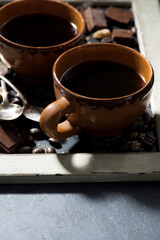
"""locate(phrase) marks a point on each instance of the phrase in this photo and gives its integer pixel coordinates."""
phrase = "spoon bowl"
(11, 112)
(31, 112)
(8, 111)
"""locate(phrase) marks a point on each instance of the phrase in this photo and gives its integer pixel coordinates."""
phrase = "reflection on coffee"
(102, 79)
(38, 30)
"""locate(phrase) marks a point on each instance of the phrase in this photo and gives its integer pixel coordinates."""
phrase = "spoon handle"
(19, 94)
(4, 93)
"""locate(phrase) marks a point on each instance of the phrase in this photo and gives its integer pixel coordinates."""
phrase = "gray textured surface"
(126, 211)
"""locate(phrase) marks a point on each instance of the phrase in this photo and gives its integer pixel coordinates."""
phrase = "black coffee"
(102, 79)
(38, 30)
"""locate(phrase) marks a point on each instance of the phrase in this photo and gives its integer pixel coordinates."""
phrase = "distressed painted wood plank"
(79, 164)
(147, 16)
(79, 168)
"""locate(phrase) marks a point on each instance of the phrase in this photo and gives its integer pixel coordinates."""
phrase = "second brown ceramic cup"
(34, 64)
(96, 116)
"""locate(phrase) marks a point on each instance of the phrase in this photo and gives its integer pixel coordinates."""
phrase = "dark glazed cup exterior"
(96, 116)
(34, 64)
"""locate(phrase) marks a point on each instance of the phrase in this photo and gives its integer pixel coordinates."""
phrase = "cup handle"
(52, 115)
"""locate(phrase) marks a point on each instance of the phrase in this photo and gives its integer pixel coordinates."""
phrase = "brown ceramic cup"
(96, 116)
(34, 64)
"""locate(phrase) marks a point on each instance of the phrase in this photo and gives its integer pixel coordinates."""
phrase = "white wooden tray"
(52, 168)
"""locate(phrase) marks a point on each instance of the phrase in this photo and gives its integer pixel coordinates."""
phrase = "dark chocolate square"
(95, 19)
(122, 36)
(119, 15)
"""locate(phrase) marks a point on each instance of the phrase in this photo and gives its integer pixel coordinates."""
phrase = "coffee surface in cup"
(38, 30)
(102, 79)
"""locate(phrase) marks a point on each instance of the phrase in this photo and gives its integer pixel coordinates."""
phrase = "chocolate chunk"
(9, 142)
(122, 36)
(95, 19)
(119, 15)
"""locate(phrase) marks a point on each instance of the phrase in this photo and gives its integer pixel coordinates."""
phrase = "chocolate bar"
(122, 36)
(95, 18)
(9, 142)
(119, 15)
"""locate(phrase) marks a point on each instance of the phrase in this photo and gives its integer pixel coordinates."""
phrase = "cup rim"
(76, 38)
(145, 89)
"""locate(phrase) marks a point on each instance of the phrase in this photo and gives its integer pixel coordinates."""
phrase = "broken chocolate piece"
(9, 142)
(95, 19)
(122, 36)
(119, 15)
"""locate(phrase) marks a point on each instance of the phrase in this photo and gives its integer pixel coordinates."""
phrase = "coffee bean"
(135, 145)
(133, 135)
(54, 143)
(25, 149)
(147, 117)
(50, 150)
(142, 136)
(36, 133)
(137, 125)
(151, 137)
(145, 127)
(148, 143)
(38, 150)
(152, 126)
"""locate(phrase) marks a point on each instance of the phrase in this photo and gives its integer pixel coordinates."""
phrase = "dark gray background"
(125, 211)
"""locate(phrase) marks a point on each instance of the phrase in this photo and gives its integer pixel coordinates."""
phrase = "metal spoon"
(30, 112)
(8, 111)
